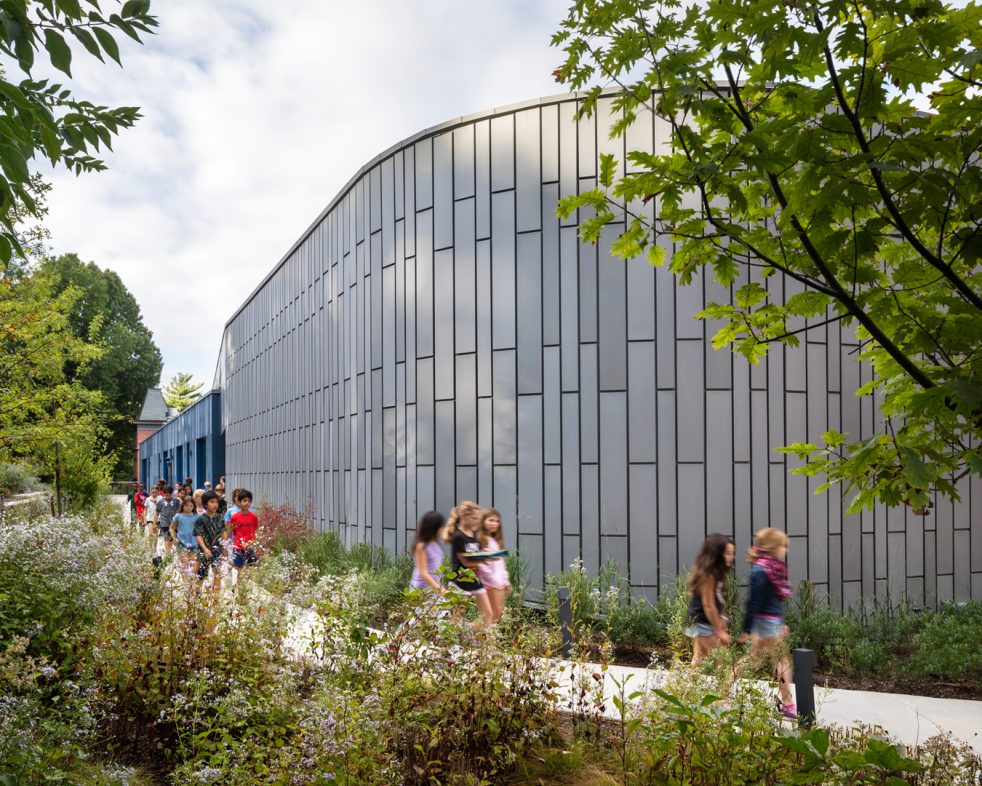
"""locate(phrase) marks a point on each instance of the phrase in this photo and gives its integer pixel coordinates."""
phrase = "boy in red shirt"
(244, 524)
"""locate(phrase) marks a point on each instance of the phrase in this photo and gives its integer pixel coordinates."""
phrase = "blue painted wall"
(191, 445)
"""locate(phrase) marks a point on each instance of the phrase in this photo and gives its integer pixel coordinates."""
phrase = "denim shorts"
(699, 630)
(164, 532)
(242, 557)
(766, 628)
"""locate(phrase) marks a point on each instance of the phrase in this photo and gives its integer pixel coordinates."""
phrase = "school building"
(438, 334)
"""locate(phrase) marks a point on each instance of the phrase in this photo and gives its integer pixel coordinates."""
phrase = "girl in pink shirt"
(492, 572)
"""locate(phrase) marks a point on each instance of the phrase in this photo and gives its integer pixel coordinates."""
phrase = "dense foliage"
(791, 165)
(115, 671)
(49, 421)
(106, 314)
(43, 119)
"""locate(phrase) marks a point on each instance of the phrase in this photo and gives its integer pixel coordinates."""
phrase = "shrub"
(17, 479)
(947, 646)
(661, 624)
(165, 667)
(56, 578)
(282, 526)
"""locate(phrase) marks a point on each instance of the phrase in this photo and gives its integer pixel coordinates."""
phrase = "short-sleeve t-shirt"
(244, 526)
(185, 529)
(210, 529)
(167, 509)
(462, 543)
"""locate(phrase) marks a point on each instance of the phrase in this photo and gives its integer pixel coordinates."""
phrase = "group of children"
(763, 622)
(202, 524)
(477, 565)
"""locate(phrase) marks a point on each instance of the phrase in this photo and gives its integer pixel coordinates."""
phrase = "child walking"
(493, 572)
(209, 532)
(428, 553)
(766, 604)
(243, 524)
(707, 624)
(167, 507)
(182, 530)
(460, 531)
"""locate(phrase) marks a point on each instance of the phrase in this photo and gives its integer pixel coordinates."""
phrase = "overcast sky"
(256, 113)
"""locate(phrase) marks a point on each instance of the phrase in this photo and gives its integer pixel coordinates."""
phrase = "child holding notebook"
(493, 572)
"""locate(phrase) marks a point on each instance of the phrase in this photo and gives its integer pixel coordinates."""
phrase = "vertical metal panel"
(504, 406)
(612, 324)
(553, 518)
(424, 411)
(569, 309)
(464, 278)
(589, 406)
(502, 152)
(466, 416)
(691, 410)
(445, 458)
(443, 213)
(483, 317)
(424, 283)
(503, 270)
(423, 157)
(643, 523)
(529, 313)
(571, 463)
(552, 406)
(641, 401)
(463, 162)
(530, 464)
(443, 322)
(613, 464)
(550, 267)
(482, 187)
(528, 193)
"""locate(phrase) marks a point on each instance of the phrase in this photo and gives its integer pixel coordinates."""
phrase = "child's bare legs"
(484, 607)
(771, 650)
(702, 646)
(497, 598)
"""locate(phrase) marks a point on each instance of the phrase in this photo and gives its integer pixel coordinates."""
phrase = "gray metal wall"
(439, 335)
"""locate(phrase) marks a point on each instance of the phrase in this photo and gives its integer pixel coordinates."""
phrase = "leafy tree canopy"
(43, 119)
(106, 314)
(796, 151)
(46, 418)
(181, 392)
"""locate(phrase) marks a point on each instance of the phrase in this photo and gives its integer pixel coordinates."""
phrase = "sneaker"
(789, 711)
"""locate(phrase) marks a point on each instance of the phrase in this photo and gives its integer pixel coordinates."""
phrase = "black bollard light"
(566, 620)
(804, 686)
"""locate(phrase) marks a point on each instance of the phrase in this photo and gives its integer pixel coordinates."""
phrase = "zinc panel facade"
(439, 334)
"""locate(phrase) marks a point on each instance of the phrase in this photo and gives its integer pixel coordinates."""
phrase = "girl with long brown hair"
(461, 531)
(706, 621)
(492, 571)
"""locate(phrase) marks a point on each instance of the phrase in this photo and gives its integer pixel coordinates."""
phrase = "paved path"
(908, 719)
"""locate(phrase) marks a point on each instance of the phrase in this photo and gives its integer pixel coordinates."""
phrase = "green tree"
(43, 119)
(797, 151)
(181, 392)
(52, 421)
(105, 313)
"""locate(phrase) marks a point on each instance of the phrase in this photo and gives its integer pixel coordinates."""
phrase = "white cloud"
(255, 115)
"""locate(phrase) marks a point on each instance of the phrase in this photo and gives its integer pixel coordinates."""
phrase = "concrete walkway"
(910, 720)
